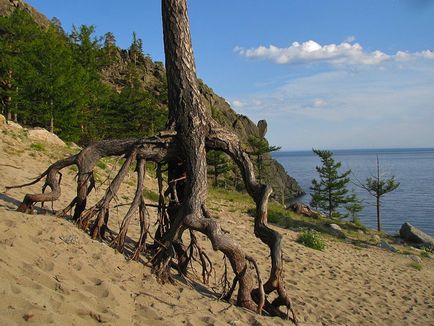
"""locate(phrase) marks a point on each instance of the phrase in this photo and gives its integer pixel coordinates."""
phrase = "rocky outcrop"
(152, 74)
(413, 235)
(7, 7)
(273, 172)
(43, 135)
(262, 126)
(304, 210)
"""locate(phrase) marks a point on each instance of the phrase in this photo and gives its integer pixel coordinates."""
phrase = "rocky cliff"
(8, 6)
(274, 173)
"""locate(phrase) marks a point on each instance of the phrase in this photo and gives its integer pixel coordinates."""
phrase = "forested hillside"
(85, 88)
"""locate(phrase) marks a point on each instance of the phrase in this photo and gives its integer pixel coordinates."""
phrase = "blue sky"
(324, 74)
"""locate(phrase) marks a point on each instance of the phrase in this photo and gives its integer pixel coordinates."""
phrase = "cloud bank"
(344, 53)
(345, 108)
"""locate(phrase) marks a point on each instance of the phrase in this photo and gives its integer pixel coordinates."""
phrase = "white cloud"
(350, 39)
(350, 108)
(237, 104)
(335, 54)
(319, 102)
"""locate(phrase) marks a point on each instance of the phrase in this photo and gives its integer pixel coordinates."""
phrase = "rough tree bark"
(191, 132)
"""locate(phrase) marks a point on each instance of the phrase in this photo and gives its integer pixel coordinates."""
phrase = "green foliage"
(133, 112)
(151, 195)
(260, 147)
(380, 187)
(101, 164)
(377, 186)
(37, 147)
(354, 207)
(219, 163)
(311, 239)
(53, 80)
(427, 249)
(416, 266)
(330, 191)
(230, 196)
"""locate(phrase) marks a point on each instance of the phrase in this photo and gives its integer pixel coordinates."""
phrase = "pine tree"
(330, 191)
(354, 207)
(136, 49)
(377, 186)
(88, 52)
(260, 147)
(219, 163)
(16, 31)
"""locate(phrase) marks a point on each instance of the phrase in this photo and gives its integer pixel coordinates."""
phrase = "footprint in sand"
(15, 289)
(46, 266)
(100, 289)
(10, 223)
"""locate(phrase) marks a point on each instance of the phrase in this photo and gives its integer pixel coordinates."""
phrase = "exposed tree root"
(161, 150)
(119, 241)
(157, 150)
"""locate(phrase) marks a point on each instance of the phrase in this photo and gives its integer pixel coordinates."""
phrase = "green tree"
(48, 81)
(88, 52)
(354, 207)
(330, 191)
(39, 76)
(134, 112)
(377, 186)
(16, 31)
(136, 49)
(260, 147)
(219, 163)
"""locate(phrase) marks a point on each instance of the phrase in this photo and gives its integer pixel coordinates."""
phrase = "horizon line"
(358, 148)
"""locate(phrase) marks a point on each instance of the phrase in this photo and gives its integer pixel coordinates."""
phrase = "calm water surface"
(412, 202)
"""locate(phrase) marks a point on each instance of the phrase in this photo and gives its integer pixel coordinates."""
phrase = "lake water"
(412, 202)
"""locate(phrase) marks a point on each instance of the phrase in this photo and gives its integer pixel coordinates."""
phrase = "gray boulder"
(304, 210)
(415, 258)
(412, 234)
(387, 246)
(262, 127)
(336, 227)
(336, 231)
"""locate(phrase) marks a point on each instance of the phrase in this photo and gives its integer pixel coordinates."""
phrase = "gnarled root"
(144, 229)
(185, 211)
(50, 181)
(119, 241)
(228, 142)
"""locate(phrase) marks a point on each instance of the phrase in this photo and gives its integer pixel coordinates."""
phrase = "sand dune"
(51, 272)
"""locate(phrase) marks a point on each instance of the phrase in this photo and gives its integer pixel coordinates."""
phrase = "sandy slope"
(50, 272)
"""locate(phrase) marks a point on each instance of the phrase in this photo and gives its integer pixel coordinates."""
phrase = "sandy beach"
(53, 273)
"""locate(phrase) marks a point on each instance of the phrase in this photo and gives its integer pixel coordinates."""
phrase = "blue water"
(412, 202)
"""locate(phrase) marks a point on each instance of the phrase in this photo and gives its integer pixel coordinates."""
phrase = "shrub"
(311, 239)
(101, 165)
(37, 147)
(416, 266)
(426, 252)
(151, 195)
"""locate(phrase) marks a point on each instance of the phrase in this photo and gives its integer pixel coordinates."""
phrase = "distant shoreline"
(360, 150)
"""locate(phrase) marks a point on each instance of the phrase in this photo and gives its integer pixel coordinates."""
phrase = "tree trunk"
(378, 195)
(188, 114)
(378, 214)
(215, 176)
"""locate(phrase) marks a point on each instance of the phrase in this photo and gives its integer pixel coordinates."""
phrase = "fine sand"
(51, 272)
